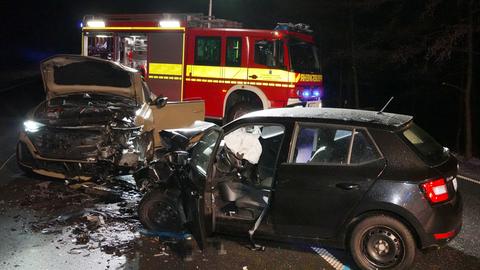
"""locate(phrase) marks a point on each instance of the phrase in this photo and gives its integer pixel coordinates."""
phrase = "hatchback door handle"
(347, 186)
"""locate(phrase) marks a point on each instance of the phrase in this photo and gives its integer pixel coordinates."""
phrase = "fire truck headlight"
(169, 24)
(96, 23)
(316, 92)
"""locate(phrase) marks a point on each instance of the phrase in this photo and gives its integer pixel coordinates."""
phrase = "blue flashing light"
(316, 92)
(81, 25)
(306, 93)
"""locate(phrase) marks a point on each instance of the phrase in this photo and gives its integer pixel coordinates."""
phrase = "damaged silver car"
(99, 119)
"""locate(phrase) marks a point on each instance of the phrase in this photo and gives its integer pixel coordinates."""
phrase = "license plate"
(454, 182)
(315, 104)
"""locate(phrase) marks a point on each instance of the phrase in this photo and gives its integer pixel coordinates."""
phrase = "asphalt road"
(24, 247)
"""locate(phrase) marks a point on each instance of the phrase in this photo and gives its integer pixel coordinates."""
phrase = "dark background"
(383, 48)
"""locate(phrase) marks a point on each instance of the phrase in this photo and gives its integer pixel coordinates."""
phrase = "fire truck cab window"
(269, 53)
(234, 52)
(303, 56)
(207, 51)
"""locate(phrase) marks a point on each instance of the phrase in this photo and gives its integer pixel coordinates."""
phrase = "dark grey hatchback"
(374, 183)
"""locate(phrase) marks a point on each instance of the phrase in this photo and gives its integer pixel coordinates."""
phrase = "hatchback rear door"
(329, 170)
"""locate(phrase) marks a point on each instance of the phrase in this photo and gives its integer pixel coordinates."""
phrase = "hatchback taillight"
(436, 190)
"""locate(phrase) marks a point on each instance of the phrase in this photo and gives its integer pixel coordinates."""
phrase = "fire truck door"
(266, 61)
(165, 64)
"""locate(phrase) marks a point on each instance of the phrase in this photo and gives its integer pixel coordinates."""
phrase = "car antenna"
(384, 107)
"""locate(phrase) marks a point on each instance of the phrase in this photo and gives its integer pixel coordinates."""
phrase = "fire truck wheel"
(238, 110)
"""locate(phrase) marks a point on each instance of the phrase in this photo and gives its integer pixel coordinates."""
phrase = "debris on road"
(92, 215)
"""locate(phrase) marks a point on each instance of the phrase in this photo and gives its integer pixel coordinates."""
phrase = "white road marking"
(327, 256)
(468, 179)
(6, 161)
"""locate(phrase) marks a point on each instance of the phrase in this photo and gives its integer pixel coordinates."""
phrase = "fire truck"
(191, 56)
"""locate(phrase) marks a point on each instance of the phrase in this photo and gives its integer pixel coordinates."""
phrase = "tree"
(459, 37)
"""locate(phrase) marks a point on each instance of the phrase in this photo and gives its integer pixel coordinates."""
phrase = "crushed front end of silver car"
(99, 119)
(82, 135)
(87, 126)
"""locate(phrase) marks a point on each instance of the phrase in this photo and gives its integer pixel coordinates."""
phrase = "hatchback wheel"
(159, 211)
(382, 242)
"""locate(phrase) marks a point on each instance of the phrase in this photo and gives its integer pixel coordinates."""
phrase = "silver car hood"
(67, 74)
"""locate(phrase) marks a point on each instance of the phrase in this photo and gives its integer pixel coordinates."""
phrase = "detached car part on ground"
(99, 119)
(374, 183)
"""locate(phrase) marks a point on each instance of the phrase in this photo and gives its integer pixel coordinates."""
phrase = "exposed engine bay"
(90, 128)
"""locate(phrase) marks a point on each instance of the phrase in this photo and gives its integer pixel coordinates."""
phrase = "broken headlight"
(32, 126)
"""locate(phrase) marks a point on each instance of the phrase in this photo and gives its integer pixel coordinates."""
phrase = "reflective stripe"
(272, 75)
(287, 85)
(238, 73)
(174, 78)
(165, 69)
(241, 73)
(204, 71)
(133, 28)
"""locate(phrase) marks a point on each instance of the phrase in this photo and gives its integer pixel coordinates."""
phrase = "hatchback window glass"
(428, 148)
(363, 150)
(207, 51)
(234, 51)
(203, 150)
(322, 145)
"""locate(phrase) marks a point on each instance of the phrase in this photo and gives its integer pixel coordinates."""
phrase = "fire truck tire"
(238, 110)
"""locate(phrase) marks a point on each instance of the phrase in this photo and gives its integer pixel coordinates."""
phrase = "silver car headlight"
(32, 126)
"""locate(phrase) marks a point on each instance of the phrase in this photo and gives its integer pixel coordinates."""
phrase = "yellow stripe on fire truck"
(165, 69)
(232, 75)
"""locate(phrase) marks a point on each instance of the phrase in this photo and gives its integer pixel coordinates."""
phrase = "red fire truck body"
(234, 70)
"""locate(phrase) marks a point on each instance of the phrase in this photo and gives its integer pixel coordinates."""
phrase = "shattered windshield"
(203, 150)
(303, 56)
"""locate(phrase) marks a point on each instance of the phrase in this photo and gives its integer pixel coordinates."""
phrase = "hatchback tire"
(382, 242)
(159, 211)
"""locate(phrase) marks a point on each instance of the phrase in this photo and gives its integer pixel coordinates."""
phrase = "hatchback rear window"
(426, 146)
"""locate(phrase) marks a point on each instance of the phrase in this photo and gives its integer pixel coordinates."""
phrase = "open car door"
(176, 115)
(200, 214)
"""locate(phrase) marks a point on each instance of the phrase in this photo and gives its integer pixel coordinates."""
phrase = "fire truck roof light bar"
(169, 24)
(96, 23)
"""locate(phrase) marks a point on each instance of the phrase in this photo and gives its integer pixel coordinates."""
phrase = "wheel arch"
(237, 90)
(383, 211)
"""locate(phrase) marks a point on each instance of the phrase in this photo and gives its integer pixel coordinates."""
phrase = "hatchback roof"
(335, 115)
